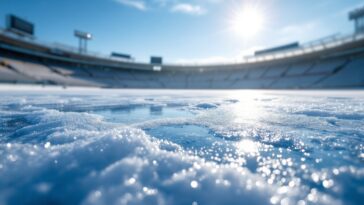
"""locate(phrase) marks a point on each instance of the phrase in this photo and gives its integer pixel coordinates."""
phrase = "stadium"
(331, 62)
(283, 125)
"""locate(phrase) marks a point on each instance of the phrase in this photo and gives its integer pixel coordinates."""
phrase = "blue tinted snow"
(181, 147)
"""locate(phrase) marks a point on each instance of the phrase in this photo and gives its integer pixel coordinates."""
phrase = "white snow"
(251, 147)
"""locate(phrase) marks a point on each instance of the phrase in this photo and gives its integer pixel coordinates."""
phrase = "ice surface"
(181, 147)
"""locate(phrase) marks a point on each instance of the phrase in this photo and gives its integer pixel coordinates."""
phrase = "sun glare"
(247, 22)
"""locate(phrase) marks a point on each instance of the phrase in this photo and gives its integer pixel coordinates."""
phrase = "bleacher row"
(329, 73)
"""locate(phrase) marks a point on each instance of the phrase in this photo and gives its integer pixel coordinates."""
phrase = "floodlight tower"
(358, 17)
(83, 38)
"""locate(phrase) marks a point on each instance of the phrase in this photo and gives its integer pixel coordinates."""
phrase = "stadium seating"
(274, 72)
(298, 69)
(353, 71)
(339, 67)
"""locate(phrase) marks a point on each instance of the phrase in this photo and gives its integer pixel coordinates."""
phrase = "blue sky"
(181, 30)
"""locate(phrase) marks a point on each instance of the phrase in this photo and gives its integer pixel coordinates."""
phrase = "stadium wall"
(25, 62)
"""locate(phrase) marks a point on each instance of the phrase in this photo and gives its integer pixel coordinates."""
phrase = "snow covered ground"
(95, 146)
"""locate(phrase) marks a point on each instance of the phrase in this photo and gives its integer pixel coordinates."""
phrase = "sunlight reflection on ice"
(182, 148)
(248, 147)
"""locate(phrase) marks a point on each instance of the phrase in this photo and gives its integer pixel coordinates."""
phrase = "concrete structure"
(334, 62)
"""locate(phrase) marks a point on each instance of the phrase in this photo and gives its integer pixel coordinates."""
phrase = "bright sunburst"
(246, 22)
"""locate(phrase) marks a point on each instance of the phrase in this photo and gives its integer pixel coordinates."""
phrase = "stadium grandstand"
(333, 62)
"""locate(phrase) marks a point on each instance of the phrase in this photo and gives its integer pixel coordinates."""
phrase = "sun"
(247, 22)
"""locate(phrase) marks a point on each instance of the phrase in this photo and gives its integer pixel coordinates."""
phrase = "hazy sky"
(183, 30)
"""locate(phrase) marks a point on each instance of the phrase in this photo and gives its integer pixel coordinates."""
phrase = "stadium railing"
(306, 48)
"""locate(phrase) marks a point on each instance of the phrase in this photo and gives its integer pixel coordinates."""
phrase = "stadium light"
(83, 38)
(358, 17)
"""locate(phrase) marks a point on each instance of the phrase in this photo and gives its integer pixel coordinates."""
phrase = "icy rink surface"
(93, 146)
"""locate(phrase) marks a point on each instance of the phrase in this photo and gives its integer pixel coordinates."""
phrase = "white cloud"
(162, 3)
(174, 5)
(188, 9)
(137, 4)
